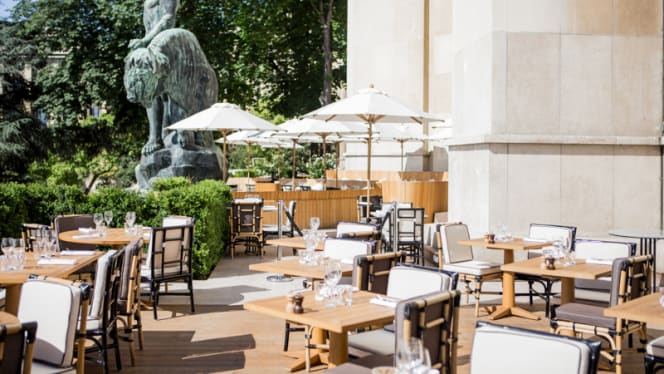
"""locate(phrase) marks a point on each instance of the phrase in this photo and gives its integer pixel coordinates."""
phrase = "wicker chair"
(630, 279)
(246, 226)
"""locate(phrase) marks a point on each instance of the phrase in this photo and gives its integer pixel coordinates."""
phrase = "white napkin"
(602, 261)
(537, 240)
(84, 236)
(86, 230)
(384, 301)
(68, 252)
(56, 261)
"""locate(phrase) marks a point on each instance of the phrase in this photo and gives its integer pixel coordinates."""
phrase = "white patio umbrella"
(370, 106)
(225, 118)
(401, 133)
(309, 130)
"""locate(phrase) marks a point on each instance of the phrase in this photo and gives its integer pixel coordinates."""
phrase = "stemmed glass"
(6, 244)
(98, 218)
(332, 277)
(314, 222)
(108, 217)
(410, 354)
(130, 218)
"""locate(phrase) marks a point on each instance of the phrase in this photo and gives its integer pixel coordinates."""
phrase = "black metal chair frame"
(412, 246)
(246, 227)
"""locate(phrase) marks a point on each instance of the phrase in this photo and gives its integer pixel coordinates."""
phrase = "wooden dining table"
(115, 237)
(296, 242)
(14, 279)
(643, 309)
(295, 268)
(336, 321)
(567, 274)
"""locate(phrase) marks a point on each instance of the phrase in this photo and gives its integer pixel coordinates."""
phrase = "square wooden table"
(13, 280)
(567, 274)
(643, 309)
(336, 321)
(508, 247)
(296, 242)
(295, 268)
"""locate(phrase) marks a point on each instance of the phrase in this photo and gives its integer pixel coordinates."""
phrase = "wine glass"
(410, 354)
(108, 217)
(331, 278)
(314, 222)
(130, 217)
(98, 218)
(6, 244)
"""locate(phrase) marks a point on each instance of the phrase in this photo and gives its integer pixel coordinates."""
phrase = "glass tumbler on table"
(98, 218)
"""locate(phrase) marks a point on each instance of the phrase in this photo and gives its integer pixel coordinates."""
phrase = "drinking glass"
(332, 277)
(314, 222)
(98, 218)
(6, 243)
(130, 218)
(108, 217)
(410, 354)
(311, 240)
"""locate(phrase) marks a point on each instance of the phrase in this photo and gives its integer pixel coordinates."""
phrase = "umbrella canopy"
(225, 118)
(401, 133)
(309, 130)
(370, 106)
(249, 138)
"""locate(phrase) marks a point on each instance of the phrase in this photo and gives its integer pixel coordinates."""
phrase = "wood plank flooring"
(221, 337)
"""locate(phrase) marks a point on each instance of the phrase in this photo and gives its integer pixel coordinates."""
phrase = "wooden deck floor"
(226, 338)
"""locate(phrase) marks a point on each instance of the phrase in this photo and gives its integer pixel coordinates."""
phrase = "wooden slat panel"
(430, 195)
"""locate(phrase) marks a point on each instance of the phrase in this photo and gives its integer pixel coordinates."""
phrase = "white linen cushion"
(405, 282)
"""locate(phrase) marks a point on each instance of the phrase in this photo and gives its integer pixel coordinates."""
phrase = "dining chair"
(371, 272)
(129, 308)
(409, 236)
(288, 229)
(654, 357)
(60, 342)
(362, 231)
(170, 261)
(70, 223)
(598, 290)
(546, 232)
(506, 349)
(630, 279)
(17, 344)
(101, 325)
(434, 319)
(375, 204)
(404, 282)
(246, 226)
(31, 232)
(345, 250)
(459, 258)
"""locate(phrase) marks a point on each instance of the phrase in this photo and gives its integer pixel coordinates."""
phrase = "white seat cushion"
(473, 267)
(656, 347)
(405, 282)
(379, 342)
(42, 368)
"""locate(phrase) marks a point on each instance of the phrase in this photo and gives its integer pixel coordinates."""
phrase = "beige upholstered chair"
(361, 231)
(59, 334)
(371, 272)
(169, 261)
(459, 258)
(630, 278)
(654, 355)
(506, 349)
(345, 250)
(17, 344)
(129, 311)
(404, 282)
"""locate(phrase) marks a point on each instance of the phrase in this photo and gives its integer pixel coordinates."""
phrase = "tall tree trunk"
(326, 23)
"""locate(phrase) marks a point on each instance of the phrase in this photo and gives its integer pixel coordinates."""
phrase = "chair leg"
(476, 292)
(191, 294)
(155, 298)
(116, 346)
(650, 364)
(531, 291)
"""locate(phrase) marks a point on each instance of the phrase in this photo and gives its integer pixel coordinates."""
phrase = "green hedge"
(206, 201)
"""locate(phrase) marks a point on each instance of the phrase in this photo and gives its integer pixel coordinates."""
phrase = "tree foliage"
(268, 55)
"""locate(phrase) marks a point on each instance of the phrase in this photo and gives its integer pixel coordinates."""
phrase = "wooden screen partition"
(430, 195)
(331, 206)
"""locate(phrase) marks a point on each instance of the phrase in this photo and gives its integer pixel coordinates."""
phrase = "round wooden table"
(115, 237)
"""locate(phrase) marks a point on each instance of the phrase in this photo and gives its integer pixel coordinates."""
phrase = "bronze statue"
(167, 72)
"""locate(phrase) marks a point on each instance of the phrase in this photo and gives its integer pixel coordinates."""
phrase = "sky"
(5, 6)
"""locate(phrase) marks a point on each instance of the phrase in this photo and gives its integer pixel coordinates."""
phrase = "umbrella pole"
(293, 172)
(401, 155)
(225, 170)
(336, 166)
(324, 179)
(369, 169)
(248, 162)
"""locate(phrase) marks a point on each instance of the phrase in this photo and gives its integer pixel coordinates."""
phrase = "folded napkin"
(602, 261)
(56, 261)
(537, 240)
(86, 230)
(384, 301)
(477, 264)
(84, 236)
(68, 252)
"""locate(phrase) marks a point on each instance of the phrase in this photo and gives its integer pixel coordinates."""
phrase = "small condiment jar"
(550, 263)
(297, 300)
(490, 238)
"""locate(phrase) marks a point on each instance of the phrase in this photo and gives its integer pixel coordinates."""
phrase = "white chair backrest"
(552, 232)
(170, 221)
(56, 308)
(503, 349)
(454, 252)
(602, 249)
(97, 301)
(347, 227)
(405, 282)
(345, 250)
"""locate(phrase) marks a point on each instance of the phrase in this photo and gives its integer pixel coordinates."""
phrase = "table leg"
(508, 306)
(12, 296)
(566, 290)
(317, 337)
(338, 349)
(278, 277)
